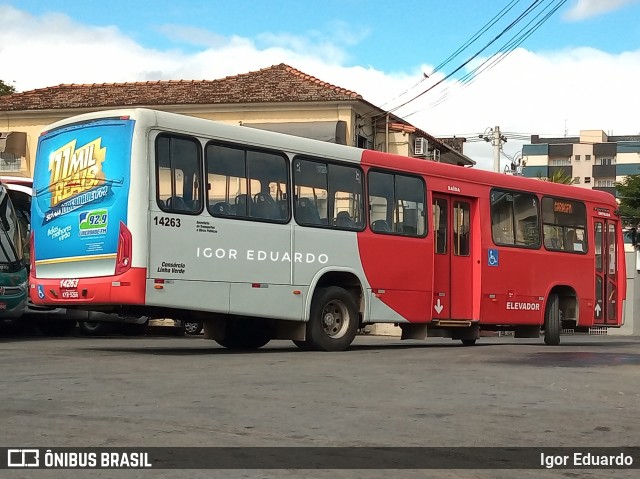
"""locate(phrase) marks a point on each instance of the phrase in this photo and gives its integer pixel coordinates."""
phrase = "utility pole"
(497, 145)
(496, 139)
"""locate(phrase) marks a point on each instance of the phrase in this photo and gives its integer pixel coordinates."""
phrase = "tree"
(559, 176)
(629, 196)
(6, 89)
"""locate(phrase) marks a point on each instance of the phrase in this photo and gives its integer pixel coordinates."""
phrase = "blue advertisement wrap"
(81, 189)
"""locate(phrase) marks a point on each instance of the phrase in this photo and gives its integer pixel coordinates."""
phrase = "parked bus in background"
(262, 235)
(13, 269)
(51, 320)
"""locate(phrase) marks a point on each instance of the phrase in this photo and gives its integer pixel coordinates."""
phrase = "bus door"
(453, 268)
(606, 279)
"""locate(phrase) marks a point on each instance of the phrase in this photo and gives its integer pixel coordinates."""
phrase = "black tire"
(333, 322)
(56, 327)
(245, 333)
(193, 327)
(248, 343)
(305, 346)
(468, 342)
(90, 328)
(552, 323)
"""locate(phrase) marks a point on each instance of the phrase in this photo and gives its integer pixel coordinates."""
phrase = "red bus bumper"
(127, 288)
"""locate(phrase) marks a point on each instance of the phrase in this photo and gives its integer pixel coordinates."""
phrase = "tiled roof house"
(279, 98)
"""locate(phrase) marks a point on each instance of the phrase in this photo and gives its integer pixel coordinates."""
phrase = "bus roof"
(488, 178)
(188, 124)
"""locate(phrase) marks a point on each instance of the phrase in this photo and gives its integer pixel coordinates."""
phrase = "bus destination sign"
(562, 207)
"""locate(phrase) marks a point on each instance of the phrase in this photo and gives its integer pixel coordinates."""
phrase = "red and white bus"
(263, 236)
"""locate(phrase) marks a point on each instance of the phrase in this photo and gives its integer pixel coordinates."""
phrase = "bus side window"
(307, 213)
(241, 205)
(265, 206)
(381, 226)
(396, 204)
(222, 208)
(564, 224)
(343, 220)
(176, 203)
(178, 174)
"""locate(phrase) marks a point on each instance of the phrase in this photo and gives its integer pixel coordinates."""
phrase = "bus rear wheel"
(552, 322)
(333, 322)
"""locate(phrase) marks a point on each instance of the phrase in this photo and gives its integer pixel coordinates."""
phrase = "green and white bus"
(13, 263)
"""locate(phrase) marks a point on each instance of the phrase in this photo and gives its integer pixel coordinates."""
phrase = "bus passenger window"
(265, 206)
(515, 219)
(397, 204)
(564, 225)
(343, 220)
(306, 212)
(178, 174)
(381, 226)
(328, 194)
(222, 208)
(247, 184)
(176, 203)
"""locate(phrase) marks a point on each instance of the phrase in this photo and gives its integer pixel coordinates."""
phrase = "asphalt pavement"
(189, 392)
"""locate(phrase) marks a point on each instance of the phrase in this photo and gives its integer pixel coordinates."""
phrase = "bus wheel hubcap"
(335, 319)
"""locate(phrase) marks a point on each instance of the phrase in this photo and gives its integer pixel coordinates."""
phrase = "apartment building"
(594, 159)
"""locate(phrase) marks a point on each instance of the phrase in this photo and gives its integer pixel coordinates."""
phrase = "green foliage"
(6, 89)
(629, 196)
(558, 176)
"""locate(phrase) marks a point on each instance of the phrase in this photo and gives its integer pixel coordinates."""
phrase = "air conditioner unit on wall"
(420, 147)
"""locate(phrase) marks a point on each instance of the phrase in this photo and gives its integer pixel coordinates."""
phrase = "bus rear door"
(607, 271)
(453, 261)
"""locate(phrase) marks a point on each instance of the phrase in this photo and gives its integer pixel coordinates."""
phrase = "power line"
(505, 50)
(477, 35)
(527, 11)
(510, 46)
(460, 49)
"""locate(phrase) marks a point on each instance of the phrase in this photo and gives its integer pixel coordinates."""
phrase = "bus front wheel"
(333, 322)
(552, 322)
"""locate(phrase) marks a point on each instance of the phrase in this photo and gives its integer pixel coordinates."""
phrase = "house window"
(577, 157)
(587, 157)
(576, 180)
(587, 179)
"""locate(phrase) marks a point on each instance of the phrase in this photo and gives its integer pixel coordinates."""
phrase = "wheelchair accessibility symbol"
(493, 257)
(40, 291)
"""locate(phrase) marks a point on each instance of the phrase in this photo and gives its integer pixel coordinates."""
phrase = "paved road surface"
(188, 391)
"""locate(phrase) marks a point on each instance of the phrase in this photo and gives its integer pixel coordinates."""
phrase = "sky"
(578, 69)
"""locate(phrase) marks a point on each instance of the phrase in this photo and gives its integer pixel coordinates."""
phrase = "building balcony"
(604, 171)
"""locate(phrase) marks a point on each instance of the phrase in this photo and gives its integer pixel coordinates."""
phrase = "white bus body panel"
(239, 266)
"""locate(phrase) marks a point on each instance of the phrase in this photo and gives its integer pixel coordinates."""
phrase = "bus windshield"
(10, 239)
